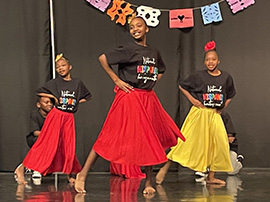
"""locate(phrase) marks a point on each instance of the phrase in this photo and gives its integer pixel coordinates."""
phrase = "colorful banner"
(121, 9)
(238, 5)
(150, 15)
(211, 13)
(100, 4)
(178, 18)
(181, 18)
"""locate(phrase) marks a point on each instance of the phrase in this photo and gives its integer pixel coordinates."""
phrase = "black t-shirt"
(230, 130)
(228, 123)
(68, 93)
(212, 91)
(36, 121)
(137, 65)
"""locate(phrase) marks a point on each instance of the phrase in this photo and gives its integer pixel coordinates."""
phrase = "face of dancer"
(138, 30)
(45, 105)
(211, 61)
(63, 68)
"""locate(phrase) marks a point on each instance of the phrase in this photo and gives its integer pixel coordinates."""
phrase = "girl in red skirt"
(54, 150)
(137, 128)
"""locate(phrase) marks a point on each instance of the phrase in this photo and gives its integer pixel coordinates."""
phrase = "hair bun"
(131, 17)
(58, 57)
(211, 45)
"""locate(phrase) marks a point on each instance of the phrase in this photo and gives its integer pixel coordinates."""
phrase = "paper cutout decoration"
(211, 13)
(100, 4)
(120, 9)
(181, 18)
(238, 5)
(150, 15)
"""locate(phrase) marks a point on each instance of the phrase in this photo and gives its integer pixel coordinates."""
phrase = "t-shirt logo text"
(214, 97)
(67, 101)
(147, 71)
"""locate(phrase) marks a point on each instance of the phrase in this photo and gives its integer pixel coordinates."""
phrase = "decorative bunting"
(238, 5)
(150, 15)
(181, 18)
(100, 4)
(120, 9)
(211, 13)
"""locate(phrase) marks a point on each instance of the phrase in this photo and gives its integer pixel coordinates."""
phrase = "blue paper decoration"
(211, 13)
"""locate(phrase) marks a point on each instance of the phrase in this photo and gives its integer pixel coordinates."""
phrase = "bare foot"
(149, 190)
(71, 180)
(79, 184)
(19, 175)
(148, 197)
(160, 176)
(79, 197)
(215, 181)
(149, 193)
(20, 192)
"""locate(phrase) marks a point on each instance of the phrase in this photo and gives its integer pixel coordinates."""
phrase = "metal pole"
(52, 38)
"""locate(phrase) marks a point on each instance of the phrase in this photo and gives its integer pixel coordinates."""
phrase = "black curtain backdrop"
(83, 33)
(24, 62)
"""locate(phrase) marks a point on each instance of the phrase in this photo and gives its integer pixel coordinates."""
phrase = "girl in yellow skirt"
(206, 147)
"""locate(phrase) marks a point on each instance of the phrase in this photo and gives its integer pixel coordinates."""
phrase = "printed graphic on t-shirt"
(67, 101)
(213, 97)
(147, 71)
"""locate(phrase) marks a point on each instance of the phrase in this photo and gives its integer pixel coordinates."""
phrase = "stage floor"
(251, 185)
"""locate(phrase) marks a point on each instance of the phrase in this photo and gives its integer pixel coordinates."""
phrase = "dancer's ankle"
(80, 176)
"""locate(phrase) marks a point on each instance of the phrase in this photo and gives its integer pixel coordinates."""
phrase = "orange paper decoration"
(121, 9)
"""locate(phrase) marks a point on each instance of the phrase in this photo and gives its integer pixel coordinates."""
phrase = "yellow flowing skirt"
(206, 144)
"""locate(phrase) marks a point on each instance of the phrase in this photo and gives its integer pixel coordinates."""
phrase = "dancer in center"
(137, 129)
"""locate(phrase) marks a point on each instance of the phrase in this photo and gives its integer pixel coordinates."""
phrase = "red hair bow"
(211, 45)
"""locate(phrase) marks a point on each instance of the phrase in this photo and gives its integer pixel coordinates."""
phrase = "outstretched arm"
(121, 84)
(193, 101)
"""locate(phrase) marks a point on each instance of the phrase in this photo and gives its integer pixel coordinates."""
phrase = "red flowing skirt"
(137, 130)
(54, 150)
(127, 171)
(124, 190)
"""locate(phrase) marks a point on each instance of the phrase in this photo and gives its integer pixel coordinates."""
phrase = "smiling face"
(211, 61)
(63, 68)
(138, 30)
(45, 105)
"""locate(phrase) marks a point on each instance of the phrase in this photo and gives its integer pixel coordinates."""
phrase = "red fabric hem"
(137, 130)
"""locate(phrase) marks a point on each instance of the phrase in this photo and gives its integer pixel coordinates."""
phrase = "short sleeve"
(189, 83)
(48, 88)
(118, 55)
